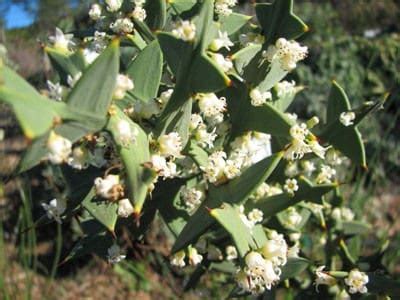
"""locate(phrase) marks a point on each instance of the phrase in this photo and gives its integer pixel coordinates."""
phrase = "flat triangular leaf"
(145, 71)
(156, 13)
(293, 267)
(233, 22)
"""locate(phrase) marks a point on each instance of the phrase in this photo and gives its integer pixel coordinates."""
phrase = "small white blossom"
(295, 236)
(342, 214)
(178, 259)
(127, 133)
(259, 98)
(108, 187)
(333, 157)
(308, 167)
(125, 208)
(210, 105)
(113, 5)
(347, 118)
(288, 53)
(185, 30)
(255, 216)
(293, 218)
(223, 62)
(231, 252)
(195, 121)
(123, 84)
(164, 97)
(275, 249)
(55, 90)
(322, 278)
(170, 144)
(139, 13)
(291, 169)
(357, 282)
(285, 88)
(122, 26)
(62, 41)
(59, 148)
(205, 138)
(164, 168)
(326, 174)
(291, 186)
(73, 80)
(222, 41)
(194, 257)
(79, 159)
(55, 209)
(215, 166)
(191, 197)
(224, 7)
(114, 254)
(90, 55)
(95, 12)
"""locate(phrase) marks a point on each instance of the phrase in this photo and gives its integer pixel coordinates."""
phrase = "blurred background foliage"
(356, 43)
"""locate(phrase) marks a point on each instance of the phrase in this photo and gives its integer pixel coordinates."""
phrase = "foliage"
(180, 109)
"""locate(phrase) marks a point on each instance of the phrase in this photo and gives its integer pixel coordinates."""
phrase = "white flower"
(259, 98)
(191, 197)
(357, 282)
(139, 13)
(114, 254)
(232, 169)
(62, 41)
(260, 273)
(194, 257)
(293, 218)
(178, 259)
(317, 148)
(299, 132)
(288, 53)
(295, 236)
(127, 133)
(291, 186)
(224, 7)
(223, 62)
(122, 26)
(291, 169)
(215, 166)
(323, 278)
(231, 252)
(162, 167)
(59, 148)
(285, 88)
(95, 12)
(125, 208)
(308, 167)
(107, 187)
(210, 105)
(296, 150)
(326, 174)
(170, 144)
(275, 249)
(55, 209)
(195, 121)
(205, 138)
(113, 5)
(222, 41)
(164, 97)
(73, 80)
(185, 30)
(79, 159)
(255, 216)
(347, 118)
(123, 84)
(333, 157)
(90, 55)
(342, 214)
(55, 90)
(294, 251)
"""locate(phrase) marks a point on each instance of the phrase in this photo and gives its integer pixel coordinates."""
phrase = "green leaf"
(93, 93)
(228, 216)
(293, 267)
(204, 25)
(382, 284)
(275, 74)
(28, 104)
(133, 155)
(346, 139)
(102, 210)
(181, 6)
(246, 117)
(244, 56)
(354, 227)
(284, 102)
(63, 63)
(307, 192)
(197, 153)
(145, 71)
(278, 20)
(234, 192)
(233, 22)
(156, 14)
(206, 76)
